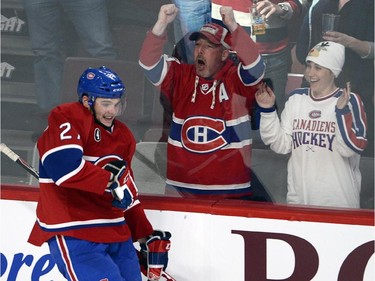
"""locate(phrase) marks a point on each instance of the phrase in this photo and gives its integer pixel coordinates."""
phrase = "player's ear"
(85, 102)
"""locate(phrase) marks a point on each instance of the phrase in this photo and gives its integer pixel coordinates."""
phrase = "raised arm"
(352, 123)
(273, 132)
(151, 57)
(365, 49)
(167, 14)
(252, 67)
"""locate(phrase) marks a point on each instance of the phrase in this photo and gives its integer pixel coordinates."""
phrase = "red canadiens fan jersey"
(209, 146)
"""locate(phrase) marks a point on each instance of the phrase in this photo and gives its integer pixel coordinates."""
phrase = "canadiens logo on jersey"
(202, 134)
(314, 114)
(102, 161)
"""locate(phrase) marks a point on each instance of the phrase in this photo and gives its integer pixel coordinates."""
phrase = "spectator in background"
(275, 44)
(324, 130)
(209, 145)
(192, 15)
(46, 28)
(356, 33)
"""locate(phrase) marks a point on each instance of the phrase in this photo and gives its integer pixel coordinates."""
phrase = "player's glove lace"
(153, 256)
(121, 185)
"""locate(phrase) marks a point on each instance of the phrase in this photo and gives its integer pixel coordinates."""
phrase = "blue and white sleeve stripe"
(63, 162)
(252, 74)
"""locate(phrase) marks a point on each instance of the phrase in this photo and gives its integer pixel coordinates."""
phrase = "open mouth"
(108, 119)
(200, 63)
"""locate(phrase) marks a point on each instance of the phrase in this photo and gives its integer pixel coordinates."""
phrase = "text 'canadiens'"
(313, 133)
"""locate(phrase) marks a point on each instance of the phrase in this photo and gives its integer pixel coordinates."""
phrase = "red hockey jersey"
(73, 198)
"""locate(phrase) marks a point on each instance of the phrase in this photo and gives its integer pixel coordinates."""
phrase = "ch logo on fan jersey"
(314, 114)
(203, 134)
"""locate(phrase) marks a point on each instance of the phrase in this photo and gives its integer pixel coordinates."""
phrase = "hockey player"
(88, 211)
(323, 128)
(209, 146)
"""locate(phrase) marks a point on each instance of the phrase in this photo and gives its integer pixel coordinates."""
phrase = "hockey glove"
(154, 254)
(122, 186)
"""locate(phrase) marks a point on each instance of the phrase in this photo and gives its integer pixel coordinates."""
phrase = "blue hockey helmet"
(100, 83)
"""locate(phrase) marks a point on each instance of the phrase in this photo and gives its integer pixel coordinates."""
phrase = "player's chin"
(107, 121)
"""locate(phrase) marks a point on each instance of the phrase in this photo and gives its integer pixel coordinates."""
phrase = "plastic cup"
(258, 26)
(330, 22)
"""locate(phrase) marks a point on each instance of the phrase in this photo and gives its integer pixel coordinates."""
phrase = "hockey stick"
(25, 165)
(16, 158)
(167, 276)
(148, 163)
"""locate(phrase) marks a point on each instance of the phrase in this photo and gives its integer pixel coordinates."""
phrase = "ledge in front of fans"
(240, 208)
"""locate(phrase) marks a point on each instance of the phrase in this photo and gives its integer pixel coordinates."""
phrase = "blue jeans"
(46, 28)
(193, 14)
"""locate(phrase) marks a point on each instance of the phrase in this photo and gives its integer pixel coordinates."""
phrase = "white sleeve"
(275, 133)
